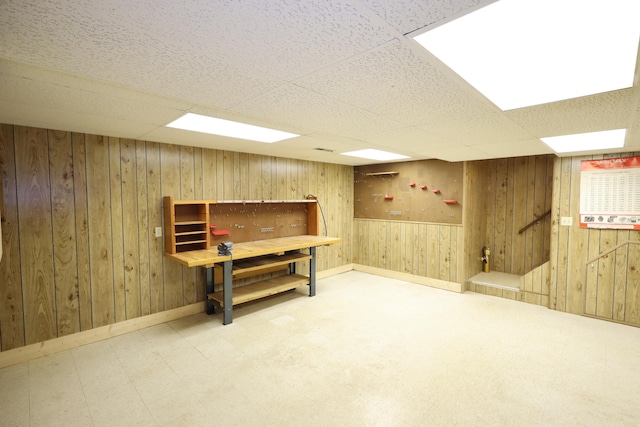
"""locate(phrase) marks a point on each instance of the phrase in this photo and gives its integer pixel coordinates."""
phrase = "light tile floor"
(366, 351)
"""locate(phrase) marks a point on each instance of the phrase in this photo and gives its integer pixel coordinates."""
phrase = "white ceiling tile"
(295, 106)
(409, 15)
(489, 128)
(605, 111)
(395, 82)
(339, 72)
(530, 147)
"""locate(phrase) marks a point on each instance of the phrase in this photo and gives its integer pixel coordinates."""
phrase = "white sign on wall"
(610, 193)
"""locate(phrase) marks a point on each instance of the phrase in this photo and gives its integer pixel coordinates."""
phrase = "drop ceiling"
(344, 74)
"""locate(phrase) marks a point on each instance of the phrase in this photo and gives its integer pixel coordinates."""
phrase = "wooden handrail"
(615, 248)
(532, 223)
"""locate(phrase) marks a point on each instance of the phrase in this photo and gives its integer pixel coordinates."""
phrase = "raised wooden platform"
(498, 280)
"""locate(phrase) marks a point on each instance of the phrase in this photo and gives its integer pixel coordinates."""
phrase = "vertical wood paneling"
(156, 251)
(604, 287)
(64, 232)
(117, 230)
(82, 231)
(171, 172)
(36, 228)
(130, 226)
(632, 303)
(11, 302)
(100, 232)
(79, 213)
(144, 232)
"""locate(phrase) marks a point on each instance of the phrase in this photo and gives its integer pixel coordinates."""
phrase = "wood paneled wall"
(573, 287)
(79, 213)
(518, 191)
(422, 249)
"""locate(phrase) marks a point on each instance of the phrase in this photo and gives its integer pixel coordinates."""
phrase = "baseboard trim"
(56, 345)
(420, 280)
(68, 342)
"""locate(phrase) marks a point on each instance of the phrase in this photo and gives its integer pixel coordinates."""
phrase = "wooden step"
(262, 289)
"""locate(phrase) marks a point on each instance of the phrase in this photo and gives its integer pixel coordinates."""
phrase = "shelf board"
(191, 242)
(264, 262)
(262, 289)
(190, 222)
(187, 233)
(382, 173)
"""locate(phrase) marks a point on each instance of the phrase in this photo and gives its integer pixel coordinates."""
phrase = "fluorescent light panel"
(527, 52)
(373, 154)
(587, 141)
(214, 126)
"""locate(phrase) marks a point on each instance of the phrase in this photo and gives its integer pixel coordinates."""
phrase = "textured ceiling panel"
(412, 91)
(485, 129)
(339, 72)
(409, 15)
(294, 106)
(63, 97)
(610, 110)
(528, 147)
(54, 118)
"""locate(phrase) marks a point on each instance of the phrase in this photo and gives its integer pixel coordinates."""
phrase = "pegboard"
(421, 191)
(248, 221)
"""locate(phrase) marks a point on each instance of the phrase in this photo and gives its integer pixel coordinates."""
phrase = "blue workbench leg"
(227, 294)
(209, 308)
(312, 272)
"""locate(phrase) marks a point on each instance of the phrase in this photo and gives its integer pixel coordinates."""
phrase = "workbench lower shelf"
(261, 289)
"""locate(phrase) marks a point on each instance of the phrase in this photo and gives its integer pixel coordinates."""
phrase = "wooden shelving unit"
(187, 223)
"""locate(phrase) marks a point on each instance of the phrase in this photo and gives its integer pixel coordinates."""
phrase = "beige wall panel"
(82, 231)
(35, 228)
(144, 230)
(267, 175)
(198, 174)
(620, 282)
(632, 303)
(444, 251)
(518, 251)
(11, 302)
(255, 177)
(499, 244)
(170, 166)
(64, 231)
(606, 276)
(542, 196)
(130, 227)
(100, 231)
(421, 233)
(561, 239)
(578, 247)
(209, 165)
(117, 230)
(156, 249)
(433, 251)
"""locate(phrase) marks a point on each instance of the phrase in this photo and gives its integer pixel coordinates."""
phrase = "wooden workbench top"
(208, 257)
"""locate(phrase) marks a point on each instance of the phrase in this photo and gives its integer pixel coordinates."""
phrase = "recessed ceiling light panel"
(373, 154)
(520, 53)
(214, 126)
(602, 140)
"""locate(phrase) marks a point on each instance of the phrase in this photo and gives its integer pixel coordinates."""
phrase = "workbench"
(251, 258)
